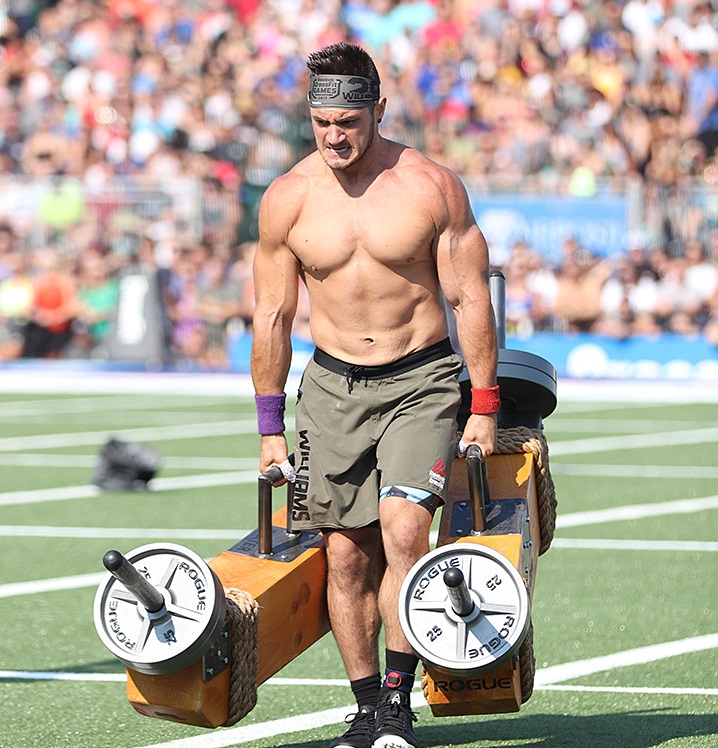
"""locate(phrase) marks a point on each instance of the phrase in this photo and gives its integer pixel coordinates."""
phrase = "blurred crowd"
(645, 292)
(569, 97)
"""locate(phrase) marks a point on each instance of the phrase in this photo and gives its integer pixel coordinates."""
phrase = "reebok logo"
(437, 475)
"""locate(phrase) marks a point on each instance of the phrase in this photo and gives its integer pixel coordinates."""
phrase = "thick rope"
(242, 614)
(523, 439)
(425, 682)
(527, 664)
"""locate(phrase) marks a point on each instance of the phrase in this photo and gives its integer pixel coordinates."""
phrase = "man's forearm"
(476, 329)
(270, 361)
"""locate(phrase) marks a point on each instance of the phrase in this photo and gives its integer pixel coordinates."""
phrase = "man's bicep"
(462, 254)
(463, 264)
(276, 269)
(276, 280)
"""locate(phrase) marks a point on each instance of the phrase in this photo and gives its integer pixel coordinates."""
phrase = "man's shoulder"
(414, 164)
(292, 186)
(296, 177)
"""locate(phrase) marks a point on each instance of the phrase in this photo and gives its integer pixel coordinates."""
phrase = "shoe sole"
(391, 742)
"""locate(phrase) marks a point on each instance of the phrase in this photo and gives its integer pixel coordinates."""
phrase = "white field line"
(659, 472)
(636, 511)
(14, 589)
(205, 480)
(568, 406)
(673, 546)
(84, 438)
(40, 675)
(38, 459)
(248, 426)
(559, 425)
(581, 392)
(545, 677)
(635, 391)
(634, 441)
(157, 533)
(62, 380)
(637, 656)
(31, 675)
(35, 531)
(627, 689)
(570, 520)
(26, 408)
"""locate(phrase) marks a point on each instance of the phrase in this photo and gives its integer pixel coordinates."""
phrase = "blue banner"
(580, 356)
(544, 223)
(585, 356)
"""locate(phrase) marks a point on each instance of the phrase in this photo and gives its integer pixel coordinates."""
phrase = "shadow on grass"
(644, 729)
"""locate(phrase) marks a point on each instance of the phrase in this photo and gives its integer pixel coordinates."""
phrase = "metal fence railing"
(68, 214)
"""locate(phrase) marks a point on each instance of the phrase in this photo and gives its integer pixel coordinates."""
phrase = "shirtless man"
(377, 231)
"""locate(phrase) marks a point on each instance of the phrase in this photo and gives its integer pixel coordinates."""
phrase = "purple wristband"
(270, 413)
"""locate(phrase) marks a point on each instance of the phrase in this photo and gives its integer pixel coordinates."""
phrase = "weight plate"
(488, 635)
(527, 381)
(194, 599)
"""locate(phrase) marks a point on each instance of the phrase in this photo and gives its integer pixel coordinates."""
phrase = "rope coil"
(242, 614)
(522, 439)
(527, 664)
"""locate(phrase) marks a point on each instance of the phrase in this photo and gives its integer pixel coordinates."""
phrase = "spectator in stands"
(684, 324)
(97, 297)
(219, 301)
(701, 115)
(541, 95)
(188, 329)
(711, 326)
(543, 284)
(7, 251)
(522, 305)
(240, 274)
(16, 304)
(222, 209)
(54, 307)
(580, 279)
(701, 276)
(629, 295)
(675, 297)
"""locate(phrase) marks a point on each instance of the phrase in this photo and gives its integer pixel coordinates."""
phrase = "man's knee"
(351, 553)
(405, 528)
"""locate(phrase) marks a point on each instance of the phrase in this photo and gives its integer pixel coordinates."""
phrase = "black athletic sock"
(400, 671)
(366, 690)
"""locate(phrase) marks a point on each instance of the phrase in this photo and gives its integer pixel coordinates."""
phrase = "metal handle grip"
(478, 486)
(461, 602)
(120, 568)
(266, 482)
(497, 291)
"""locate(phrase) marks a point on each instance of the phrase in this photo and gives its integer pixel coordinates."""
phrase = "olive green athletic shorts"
(363, 428)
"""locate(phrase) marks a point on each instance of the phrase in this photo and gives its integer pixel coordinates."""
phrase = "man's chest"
(389, 229)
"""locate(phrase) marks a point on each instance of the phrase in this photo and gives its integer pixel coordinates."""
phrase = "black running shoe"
(360, 732)
(394, 721)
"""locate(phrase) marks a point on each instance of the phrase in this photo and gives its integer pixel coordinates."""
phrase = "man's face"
(343, 136)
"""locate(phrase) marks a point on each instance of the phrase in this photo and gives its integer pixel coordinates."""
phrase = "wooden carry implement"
(277, 574)
(510, 526)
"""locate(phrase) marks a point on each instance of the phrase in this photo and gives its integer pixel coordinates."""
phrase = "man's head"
(343, 76)
(345, 103)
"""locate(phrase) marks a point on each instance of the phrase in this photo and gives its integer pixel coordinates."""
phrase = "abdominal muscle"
(375, 320)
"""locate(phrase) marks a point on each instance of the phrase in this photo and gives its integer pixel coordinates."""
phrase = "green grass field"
(625, 605)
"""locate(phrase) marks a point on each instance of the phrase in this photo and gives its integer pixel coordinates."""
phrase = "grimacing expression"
(343, 136)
